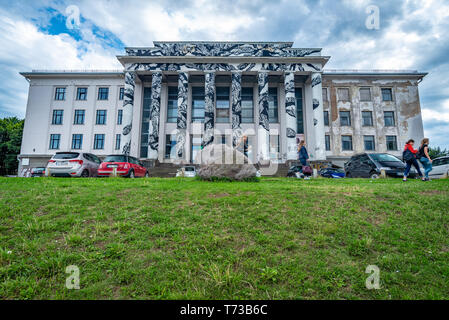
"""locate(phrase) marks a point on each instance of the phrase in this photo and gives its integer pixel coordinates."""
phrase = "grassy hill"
(185, 239)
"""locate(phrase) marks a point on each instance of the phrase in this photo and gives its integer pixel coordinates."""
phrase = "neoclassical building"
(174, 98)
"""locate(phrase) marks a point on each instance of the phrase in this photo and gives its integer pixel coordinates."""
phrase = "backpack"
(408, 156)
(307, 170)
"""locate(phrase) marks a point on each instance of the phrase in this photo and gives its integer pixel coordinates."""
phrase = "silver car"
(73, 164)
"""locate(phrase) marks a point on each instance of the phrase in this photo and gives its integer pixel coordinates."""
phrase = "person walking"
(303, 155)
(409, 156)
(424, 158)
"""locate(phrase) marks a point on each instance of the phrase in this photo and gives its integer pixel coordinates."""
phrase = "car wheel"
(147, 174)
(85, 173)
(374, 175)
(131, 174)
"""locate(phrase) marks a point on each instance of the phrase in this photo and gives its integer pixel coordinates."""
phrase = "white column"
(155, 110)
(264, 125)
(181, 123)
(290, 115)
(209, 109)
(318, 117)
(128, 104)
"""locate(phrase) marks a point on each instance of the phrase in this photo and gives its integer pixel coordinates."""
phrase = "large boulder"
(222, 161)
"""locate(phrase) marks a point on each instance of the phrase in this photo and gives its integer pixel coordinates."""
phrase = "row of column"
(236, 109)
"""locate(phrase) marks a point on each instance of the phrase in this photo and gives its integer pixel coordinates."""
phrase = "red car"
(126, 166)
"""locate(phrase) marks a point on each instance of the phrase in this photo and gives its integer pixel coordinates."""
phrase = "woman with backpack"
(303, 155)
(424, 158)
(409, 156)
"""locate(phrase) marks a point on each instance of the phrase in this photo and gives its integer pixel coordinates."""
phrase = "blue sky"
(411, 35)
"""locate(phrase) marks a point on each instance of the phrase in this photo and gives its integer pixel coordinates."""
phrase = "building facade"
(173, 99)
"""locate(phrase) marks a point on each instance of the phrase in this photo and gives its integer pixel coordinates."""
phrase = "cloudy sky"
(411, 35)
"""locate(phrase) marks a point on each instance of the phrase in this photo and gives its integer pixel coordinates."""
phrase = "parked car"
(370, 165)
(126, 166)
(38, 172)
(293, 171)
(440, 166)
(334, 173)
(188, 172)
(73, 164)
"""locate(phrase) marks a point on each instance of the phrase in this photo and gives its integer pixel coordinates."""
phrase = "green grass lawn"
(186, 239)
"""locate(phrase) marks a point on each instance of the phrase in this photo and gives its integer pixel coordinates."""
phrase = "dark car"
(38, 172)
(293, 170)
(370, 165)
(334, 173)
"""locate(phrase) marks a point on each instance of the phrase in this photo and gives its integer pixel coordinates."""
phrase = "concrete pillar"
(236, 94)
(153, 143)
(128, 103)
(181, 123)
(264, 125)
(209, 109)
(290, 115)
(319, 151)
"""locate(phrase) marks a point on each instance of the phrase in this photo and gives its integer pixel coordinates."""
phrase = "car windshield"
(189, 169)
(117, 158)
(66, 155)
(383, 157)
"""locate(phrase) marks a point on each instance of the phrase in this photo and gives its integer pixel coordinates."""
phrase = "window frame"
(341, 118)
(382, 94)
(339, 95)
(56, 116)
(246, 100)
(200, 100)
(275, 103)
(80, 140)
(327, 142)
(369, 92)
(118, 141)
(97, 140)
(393, 117)
(79, 93)
(76, 116)
(343, 143)
(100, 93)
(373, 142)
(324, 93)
(57, 93)
(119, 117)
(219, 97)
(371, 119)
(326, 117)
(395, 140)
(52, 141)
(98, 117)
(172, 119)
(121, 93)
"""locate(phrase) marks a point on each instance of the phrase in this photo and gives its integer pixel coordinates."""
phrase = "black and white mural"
(155, 109)
(318, 116)
(128, 103)
(244, 67)
(264, 125)
(181, 123)
(209, 109)
(222, 49)
(236, 94)
(290, 115)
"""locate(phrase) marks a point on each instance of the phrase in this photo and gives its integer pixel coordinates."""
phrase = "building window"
(121, 93)
(222, 105)
(345, 118)
(77, 141)
(343, 94)
(325, 94)
(299, 111)
(197, 104)
(101, 117)
(118, 137)
(326, 118)
(54, 141)
(172, 104)
(327, 140)
(273, 105)
(274, 147)
(60, 94)
(103, 93)
(392, 143)
(81, 94)
(247, 105)
(120, 116)
(365, 94)
(346, 143)
(367, 118)
(368, 141)
(57, 116)
(389, 118)
(195, 142)
(145, 123)
(99, 141)
(79, 117)
(387, 94)
(170, 146)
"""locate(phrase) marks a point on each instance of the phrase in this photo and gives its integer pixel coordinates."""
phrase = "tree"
(437, 152)
(11, 130)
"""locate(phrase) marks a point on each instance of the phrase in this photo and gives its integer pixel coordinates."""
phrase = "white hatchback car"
(440, 166)
(73, 164)
(187, 172)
